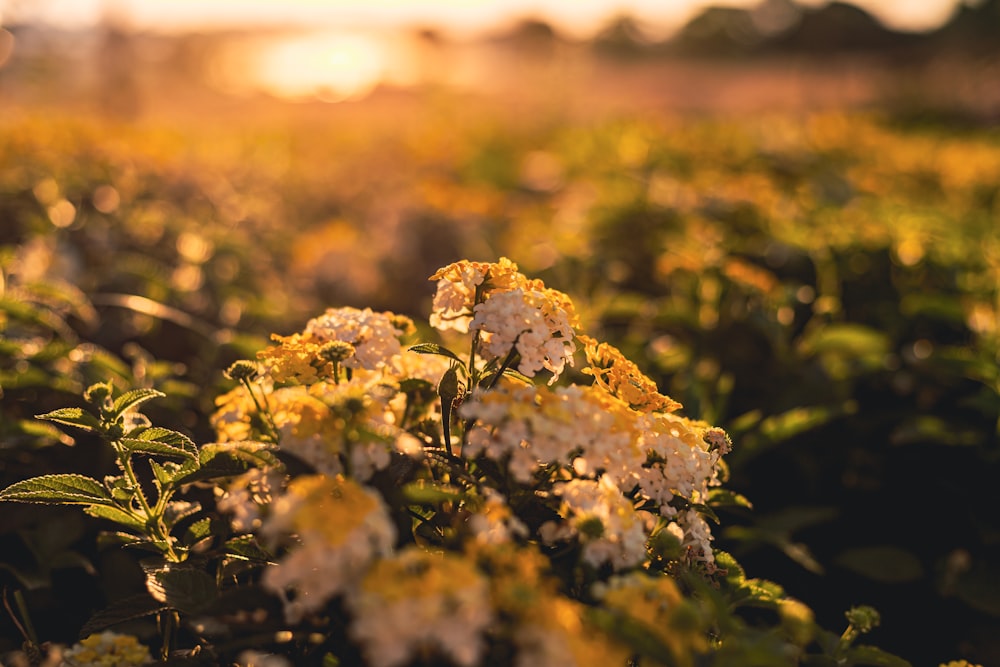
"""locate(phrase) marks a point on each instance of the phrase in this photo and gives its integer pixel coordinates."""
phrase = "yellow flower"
(108, 649)
(457, 286)
(558, 633)
(655, 604)
(622, 378)
(420, 601)
(296, 357)
(231, 419)
(330, 507)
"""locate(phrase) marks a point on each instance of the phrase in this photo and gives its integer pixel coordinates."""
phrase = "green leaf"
(448, 391)
(979, 587)
(77, 417)
(416, 386)
(734, 572)
(178, 510)
(228, 459)
(259, 454)
(181, 587)
(118, 515)
(520, 377)
(137, 446)
(718, 497)
(848, 339)
(871, 655)
(130, 399)
(761, 592)
(781, 427)
(42, 434)
(120, 611)
(422, 492)
(119, 538)
(245, 547)
(157, 440)
(434, 348)
(163, 474)
(198, 531)
(58, 489)
(706, 512)
(638, 636)
(165, 435)
(886, 564)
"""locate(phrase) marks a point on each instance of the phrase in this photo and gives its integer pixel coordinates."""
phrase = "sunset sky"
(575, 16)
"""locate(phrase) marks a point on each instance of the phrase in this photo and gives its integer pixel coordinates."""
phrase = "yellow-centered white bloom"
(421, 601)
(341, 528)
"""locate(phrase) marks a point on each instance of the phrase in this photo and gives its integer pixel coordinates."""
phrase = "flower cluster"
(340, 529)
(431, 500)
(419, 599)
(107, 649)
(510, 313)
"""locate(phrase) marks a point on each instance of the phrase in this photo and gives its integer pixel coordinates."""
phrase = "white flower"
(530, 426)
(495, 523)
(421, 601)
(373, 335)
(609, 527)
(530, 321)
(341, 528)
(246, 496)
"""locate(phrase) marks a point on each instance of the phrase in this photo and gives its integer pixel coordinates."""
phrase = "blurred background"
(137, 57)
(787, 213)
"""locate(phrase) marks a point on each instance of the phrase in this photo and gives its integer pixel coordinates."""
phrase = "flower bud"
(242, 370)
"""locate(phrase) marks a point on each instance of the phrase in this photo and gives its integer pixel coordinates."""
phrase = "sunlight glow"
(579, 16)
(331, 66)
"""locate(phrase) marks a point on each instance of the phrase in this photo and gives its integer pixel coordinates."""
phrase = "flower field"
(469, 387)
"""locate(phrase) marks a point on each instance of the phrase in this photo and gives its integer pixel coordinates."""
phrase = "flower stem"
(154, 517)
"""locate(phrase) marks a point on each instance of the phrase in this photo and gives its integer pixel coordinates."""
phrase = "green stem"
(22, 608)
(508, 360)
(154, 517)
(264, 410)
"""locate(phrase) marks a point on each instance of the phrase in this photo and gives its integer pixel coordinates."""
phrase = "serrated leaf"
(228, 459)
(245, 547)
(135, 397)
(76, 417)
(116, 514)
(179, 510)
(138, 446)
(58, 489)
(199, 530)
(874, 656)
(118, 538)
(259, 454)
(434, 348)
(166, 436)
(120, 611)
(183, 588)
(163, 475)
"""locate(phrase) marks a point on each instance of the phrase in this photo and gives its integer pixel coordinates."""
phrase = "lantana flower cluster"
(443, 502)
